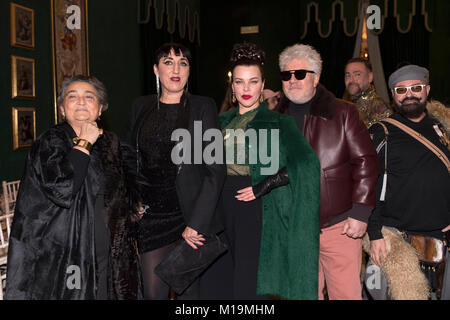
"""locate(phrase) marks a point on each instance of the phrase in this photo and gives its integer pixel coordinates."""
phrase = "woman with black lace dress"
(178, 200)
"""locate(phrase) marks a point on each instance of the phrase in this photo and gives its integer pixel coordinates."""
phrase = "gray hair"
(301, 51)
(102, 95)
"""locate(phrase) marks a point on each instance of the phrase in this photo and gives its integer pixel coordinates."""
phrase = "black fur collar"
(321, 105)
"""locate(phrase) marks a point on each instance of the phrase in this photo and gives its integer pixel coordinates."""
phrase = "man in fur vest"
(412, 210)
(349, 168)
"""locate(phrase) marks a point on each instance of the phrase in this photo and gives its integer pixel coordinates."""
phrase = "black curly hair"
(247, 54)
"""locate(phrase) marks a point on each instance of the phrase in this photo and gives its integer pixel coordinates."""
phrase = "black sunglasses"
(299, 74)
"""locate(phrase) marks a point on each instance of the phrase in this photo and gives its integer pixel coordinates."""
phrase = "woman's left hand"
(193, 238)
(246, 194)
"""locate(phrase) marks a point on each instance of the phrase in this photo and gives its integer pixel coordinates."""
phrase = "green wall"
(12, 162)
(115, 58)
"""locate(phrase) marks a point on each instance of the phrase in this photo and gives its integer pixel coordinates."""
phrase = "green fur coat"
(289, 254)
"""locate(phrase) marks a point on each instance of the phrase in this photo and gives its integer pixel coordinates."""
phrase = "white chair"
(10, 190)
(5, 230)
(2, 282)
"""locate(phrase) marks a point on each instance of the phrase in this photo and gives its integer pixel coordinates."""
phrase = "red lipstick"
(246, 96)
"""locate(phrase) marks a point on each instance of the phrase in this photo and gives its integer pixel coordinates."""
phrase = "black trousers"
(233, 275)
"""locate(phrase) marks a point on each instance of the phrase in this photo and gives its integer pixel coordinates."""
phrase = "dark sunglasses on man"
(299, 74)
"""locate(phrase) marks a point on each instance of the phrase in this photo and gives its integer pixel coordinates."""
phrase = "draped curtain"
(164, 21)
(335, 49)
(374, 52)
(399, 48)
(331, 27)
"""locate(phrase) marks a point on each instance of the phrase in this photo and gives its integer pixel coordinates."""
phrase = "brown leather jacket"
(348, 160)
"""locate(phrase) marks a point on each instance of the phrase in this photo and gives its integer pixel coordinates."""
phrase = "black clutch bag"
(184, 264)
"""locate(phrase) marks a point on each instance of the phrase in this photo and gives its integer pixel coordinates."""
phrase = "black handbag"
(183, 264)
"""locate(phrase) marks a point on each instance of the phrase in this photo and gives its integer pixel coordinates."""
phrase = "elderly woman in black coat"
(70, 237)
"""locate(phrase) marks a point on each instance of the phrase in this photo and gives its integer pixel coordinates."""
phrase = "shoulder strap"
(384, 144)
(386, 133)
(438, 152)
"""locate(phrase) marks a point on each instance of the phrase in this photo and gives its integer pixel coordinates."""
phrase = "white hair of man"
(301, 51)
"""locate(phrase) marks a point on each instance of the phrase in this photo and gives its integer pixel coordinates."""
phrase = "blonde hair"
(301, 51)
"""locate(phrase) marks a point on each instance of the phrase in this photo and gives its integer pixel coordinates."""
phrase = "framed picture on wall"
(23, 127)
(69, 43)
(22, 77)
(22, 26)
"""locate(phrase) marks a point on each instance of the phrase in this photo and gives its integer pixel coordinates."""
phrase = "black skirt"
(163, 222)
(157, 230)
(233, 276)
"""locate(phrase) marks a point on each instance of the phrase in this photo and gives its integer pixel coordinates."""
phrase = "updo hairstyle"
(247, 54)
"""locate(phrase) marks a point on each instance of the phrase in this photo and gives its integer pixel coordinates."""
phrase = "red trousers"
(339, 264)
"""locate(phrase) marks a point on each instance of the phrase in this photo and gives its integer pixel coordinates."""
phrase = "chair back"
(2, 283)
(10, 190)
(5, 227)
(5, 231)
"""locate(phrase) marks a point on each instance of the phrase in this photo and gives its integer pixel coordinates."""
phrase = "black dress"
(163, 222)
(198, 185)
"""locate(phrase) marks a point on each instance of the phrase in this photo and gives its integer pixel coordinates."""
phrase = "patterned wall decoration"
(69, 46)
(168, 12)
(323, 14)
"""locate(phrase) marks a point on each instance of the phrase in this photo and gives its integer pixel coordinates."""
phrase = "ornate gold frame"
(14, 90)
(54, 57)
(13, 39)
(15, 127)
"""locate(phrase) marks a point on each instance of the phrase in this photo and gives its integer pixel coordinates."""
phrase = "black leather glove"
(279, 179)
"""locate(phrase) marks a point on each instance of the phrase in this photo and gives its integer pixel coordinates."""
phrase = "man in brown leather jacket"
(349, 168)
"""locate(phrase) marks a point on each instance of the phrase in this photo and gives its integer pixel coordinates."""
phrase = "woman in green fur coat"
(271, 197)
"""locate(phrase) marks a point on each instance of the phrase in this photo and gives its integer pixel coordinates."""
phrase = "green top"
(236, 146)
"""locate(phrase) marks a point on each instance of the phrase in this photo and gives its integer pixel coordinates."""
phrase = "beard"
(411, 108)
(301, 95)
(354, 89)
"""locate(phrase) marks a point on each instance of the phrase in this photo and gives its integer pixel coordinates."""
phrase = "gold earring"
(233, 98)
(261, 98)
